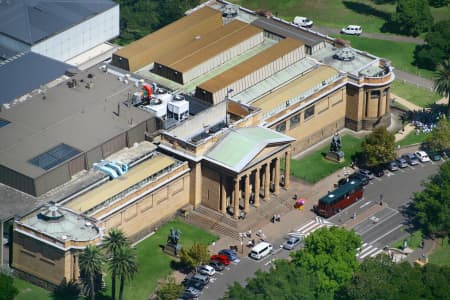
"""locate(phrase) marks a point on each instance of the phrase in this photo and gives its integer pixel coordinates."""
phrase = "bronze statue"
(336, 143)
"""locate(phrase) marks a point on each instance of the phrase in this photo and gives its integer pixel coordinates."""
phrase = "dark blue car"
(231, 254)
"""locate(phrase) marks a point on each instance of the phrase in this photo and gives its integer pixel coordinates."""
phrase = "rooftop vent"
(178, 97)
(229, 11)
(51, 213)
(345, 54)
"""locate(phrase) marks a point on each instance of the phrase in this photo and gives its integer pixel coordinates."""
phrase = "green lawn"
(314, 167)
(419, 96)
(441, 255)
(153, 263)
(413, 138)
(28, 291)
(414, 241)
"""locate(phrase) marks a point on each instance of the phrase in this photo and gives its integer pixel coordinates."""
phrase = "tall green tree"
(442, 82)
(412, 17)
(91, 262)
(439, 139)
(436, 47)
(124, 265)
(7, 289)
(195, 256)
(112, 243)
(330, 254)
(379, 147)
(169, 289)
(433, 203)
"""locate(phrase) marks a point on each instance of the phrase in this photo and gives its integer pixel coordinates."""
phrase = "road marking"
(376, 253)
(387, 233)
(368, 253)
(306, 225)
(365, 204)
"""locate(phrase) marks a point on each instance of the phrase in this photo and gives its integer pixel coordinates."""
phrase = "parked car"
(194, 284)
(217, 265)
(190, 293)
(203, 279)
(377, 171)
(261, 250)
(302, 22)
(401, 162)
(434, 156)
(392, 166)
(206, 270)
(231, 254)
(422, 156)
(223, 259)
(291, 243)
(361, 178)
(366, 173)
(411, 159)
(352, 30)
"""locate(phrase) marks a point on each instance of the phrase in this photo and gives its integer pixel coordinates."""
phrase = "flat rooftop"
(361, 60)
(61, 223)
(81, 117)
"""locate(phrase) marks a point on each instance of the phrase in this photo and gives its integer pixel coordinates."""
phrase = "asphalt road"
(383, 228)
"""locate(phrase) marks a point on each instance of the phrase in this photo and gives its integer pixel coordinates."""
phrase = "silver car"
(291, 243)
(401, 162)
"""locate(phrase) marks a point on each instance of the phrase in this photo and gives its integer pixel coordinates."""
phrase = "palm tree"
(91, 263)
(442, 81)
(112, 243)
(124, 265)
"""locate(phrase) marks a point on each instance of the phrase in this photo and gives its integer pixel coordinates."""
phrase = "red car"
(221, 258)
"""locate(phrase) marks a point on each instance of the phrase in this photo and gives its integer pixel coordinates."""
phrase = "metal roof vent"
(51, 213)
(230, 11)
(345, 54)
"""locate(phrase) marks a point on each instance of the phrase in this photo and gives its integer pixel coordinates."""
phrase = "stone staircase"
(213, 221)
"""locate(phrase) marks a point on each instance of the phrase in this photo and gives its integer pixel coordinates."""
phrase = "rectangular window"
(295, 120)
(375, 94)
(281, 127)
(309, 112)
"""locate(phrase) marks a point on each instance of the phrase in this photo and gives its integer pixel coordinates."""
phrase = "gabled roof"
(30, 21)
(240, 146)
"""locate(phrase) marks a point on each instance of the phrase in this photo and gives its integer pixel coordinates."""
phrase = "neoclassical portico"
(258, 171)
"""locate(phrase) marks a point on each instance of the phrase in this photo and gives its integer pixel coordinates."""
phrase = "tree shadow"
(367, 10)
(180, 267)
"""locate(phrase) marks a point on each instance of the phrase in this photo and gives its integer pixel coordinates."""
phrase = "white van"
(302, 22)
(352, 30)
(260, 250)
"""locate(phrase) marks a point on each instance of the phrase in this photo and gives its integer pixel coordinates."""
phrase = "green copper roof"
(241, 145)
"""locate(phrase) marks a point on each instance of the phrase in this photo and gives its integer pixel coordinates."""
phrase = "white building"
(60, 29)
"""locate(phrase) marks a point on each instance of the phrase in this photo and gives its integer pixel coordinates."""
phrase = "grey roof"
(27, 72)
(80, 117)
(15, 203)
(30, 21)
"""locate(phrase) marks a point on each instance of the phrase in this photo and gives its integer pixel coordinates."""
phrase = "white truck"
(302, 22)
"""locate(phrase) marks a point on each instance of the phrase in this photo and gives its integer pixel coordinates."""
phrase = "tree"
(169, 289)
(438, 3)
(379, 147)
(7, 289)
(112, 243)
(330, 254)
(442, 82)
(67, 290)
(433, 203)
(436, 48)
(197, 255)
(412, 17)
(91, 264)
(124, 265)
(439, 139)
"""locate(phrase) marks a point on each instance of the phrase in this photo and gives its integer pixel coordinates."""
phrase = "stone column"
(287, 169)
(236, 198)
(223, 195)
(257, 187)
(267, 181)
(276, 180)
(388, 100)
(247, 193)
(380, 104)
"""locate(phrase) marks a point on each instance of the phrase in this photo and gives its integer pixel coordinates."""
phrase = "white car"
(206, 270)
(422, 156)
(302, 22)
(352, 30)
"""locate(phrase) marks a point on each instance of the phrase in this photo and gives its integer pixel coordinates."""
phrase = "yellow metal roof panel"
(114, 187)
(250, 65)
(295, 88)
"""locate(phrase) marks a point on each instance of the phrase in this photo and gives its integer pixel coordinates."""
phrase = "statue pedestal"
(336, 156)
(172, 249)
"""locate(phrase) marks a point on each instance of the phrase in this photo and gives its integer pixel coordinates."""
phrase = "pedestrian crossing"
(313, 225)
(368, 250)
